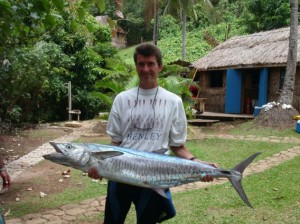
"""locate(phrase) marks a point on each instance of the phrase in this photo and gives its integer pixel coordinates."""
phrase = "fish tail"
(236, 180)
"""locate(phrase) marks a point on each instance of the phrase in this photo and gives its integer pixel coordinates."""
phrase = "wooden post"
(70, 100)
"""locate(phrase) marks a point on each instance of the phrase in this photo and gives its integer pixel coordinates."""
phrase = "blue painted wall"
(263, 87)
(233, 91)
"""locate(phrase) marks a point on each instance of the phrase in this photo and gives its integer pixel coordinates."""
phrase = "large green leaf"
(46, 5)
(104, 97)
(59, 4)
(111, 85)
(100, 4)
(80, 13)
(5, 7)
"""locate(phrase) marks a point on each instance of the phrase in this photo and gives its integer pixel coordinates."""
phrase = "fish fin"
(237, 182)
(160, 191)
(161, 151)
(106, 154)
(242, 166)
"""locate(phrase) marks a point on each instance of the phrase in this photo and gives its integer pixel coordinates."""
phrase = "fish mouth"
(58, 158)
(57, 149)
(54, 156)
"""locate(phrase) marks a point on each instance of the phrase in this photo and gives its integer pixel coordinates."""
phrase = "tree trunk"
(183, 50)
(287, 93)
(155, 27)
(278, 117)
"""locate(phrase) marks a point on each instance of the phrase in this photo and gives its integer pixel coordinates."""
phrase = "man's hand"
(93, 173)
(207, 178)
(5, 179)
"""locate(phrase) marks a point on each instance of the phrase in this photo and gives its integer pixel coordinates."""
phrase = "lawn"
(275, 193)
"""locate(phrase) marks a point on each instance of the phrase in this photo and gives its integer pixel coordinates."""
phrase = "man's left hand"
(207, 178)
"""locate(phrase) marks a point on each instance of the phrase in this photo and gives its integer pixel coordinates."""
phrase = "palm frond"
(132, 82)
(177, 85)
(104, 97)
(109, 86)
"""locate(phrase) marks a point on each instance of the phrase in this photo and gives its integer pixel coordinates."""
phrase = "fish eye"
(69, 146)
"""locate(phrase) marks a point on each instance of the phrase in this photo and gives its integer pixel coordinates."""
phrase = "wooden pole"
(70, 100)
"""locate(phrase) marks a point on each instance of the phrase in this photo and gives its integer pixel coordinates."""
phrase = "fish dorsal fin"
(106, 154)
(161, 151)
(161, 192)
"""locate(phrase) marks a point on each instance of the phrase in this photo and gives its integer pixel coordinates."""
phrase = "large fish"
(145, 169)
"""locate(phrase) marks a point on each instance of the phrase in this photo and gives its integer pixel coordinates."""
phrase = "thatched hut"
(118, 35)
(245, 71)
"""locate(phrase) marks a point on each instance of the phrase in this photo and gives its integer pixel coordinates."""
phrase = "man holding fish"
(149, 118)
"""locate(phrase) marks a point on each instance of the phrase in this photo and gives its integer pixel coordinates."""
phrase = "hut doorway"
(250, 90)
(245, 89)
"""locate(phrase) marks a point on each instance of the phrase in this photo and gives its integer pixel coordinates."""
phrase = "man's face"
(148, 70)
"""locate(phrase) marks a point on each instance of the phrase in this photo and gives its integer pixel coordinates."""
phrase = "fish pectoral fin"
(106, 154)
(161, 151)
(161, 192)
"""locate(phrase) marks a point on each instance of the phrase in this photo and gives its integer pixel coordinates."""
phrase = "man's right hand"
(93, 173)
(5, 179)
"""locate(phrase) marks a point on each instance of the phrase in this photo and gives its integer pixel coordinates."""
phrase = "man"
(147, 118)
(6, 183)
(5, 177)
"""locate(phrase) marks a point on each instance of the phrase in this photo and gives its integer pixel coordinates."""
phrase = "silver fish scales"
(140, 168)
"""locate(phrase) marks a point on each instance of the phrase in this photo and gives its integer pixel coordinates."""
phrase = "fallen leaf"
(42, 194)
(66, 172)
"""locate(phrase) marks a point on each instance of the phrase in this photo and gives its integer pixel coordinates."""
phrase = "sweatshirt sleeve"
(114, 126)
(178, 132)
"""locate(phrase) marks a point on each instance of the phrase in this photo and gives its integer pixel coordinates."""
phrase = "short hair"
(147, 49)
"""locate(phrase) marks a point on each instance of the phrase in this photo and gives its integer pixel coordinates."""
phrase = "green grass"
(250, 128)
(227, 152)
(127, 55)
(274, 193)
(79, 192)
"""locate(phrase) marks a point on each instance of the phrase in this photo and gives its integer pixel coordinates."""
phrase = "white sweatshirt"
(157, 120)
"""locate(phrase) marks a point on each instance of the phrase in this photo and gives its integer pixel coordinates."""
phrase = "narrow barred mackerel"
(146, 169)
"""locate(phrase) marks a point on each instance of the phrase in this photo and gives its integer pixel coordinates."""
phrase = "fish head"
(69, 154)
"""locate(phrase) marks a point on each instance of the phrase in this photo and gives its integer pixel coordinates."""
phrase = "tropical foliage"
(45, 44)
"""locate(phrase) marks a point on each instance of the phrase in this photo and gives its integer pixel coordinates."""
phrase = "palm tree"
(151, 9)
(186, 7)
(286, 96)
(278, 116)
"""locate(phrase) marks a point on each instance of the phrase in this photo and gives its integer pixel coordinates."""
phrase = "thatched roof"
(264, 49)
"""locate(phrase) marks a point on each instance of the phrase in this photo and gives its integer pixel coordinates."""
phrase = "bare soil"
(14, 146)
(46, 177)
(277, 118)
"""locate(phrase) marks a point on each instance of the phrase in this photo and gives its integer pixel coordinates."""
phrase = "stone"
(73, 124)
